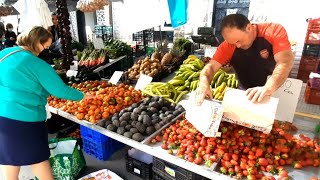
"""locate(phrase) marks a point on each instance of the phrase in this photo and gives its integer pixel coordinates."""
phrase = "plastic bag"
(178, 12)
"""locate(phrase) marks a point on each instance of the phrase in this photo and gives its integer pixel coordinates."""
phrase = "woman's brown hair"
(37, 35)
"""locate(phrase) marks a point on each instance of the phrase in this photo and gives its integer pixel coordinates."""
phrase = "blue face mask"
(3, 40)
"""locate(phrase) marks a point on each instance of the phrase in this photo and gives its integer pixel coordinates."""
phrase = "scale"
(207, 38)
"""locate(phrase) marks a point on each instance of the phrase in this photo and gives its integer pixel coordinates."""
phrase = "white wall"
(292, 14)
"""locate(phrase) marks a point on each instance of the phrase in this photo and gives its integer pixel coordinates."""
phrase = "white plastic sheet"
(33, 13)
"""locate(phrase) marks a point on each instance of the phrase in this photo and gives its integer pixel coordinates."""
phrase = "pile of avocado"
(144, 118)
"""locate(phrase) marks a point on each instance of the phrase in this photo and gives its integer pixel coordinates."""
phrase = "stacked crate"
(311, 52)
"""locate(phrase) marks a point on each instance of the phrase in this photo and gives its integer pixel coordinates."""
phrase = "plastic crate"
(315, 83)
(309, 64)
(157, 176)
(311, 50)
(313, 37)
(93, 135)
(170, 171)
(314, 24)
(311, 95)
(138, 168)
(303, 75)
(101, 150)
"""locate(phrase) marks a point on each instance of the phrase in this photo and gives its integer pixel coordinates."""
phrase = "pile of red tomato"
(243, 152)
(108, 100)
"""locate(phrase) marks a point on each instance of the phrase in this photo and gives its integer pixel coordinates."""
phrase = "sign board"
(231, 11)
(239, 110)
(71, 73)
(205, 118)
(143, 81)
(288, 95)
(115, 77)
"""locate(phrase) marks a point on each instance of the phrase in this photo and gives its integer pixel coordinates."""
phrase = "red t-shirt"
(275, 34)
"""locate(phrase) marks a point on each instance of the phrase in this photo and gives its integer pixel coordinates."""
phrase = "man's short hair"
(238, 21)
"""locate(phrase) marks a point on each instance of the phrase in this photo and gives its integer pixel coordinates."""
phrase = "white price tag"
(288, 95)
(71, 73)
(231, 11)
(115, 77)
(143, 81)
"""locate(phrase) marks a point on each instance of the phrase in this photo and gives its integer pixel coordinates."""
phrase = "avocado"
(137, 137)
(140, 118)
(134, 105)
(167, 113)
(114, 118)
(155, 117)
(157, 126)
(123, 123)
(128, 127)
(181, 109)
(125, 116)
(134, 130)
(101, 123)
(161, 116)
(130, 109)
(177, 107)
(150, 130)
(147, 120)
(161, 102)
(122, 112)
(147, 100)
(176, 113)
(161, 123)
(155, 98)
(137, 110)
(164, 109)
(128, 134)
(111, 127)
(107, 123)
(116, 123)
(154, 121)
(153, 110)
(143, 108)
(134, 123)
(120, 130)
(170, 117)
(165, 120)
(155, 105)
(143, 113)
(134, 116)
(141, 127)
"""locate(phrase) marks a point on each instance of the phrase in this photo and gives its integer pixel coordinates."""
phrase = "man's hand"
(258, 94)
(202, 92)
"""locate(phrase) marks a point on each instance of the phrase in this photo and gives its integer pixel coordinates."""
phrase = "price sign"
(115, 77)
(71, 73)
(239, 110)
(288, 95)
(143, 81)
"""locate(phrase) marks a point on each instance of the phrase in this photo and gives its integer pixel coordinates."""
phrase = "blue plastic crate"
(92, 134)
(99, 149)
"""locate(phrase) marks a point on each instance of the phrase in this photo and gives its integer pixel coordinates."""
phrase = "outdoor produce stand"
(306, 127)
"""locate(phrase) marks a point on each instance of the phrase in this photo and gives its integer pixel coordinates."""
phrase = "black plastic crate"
(139, 168)
(173, 172)
(157, 176)
(311, 50)
(64, 133)
(57, 123)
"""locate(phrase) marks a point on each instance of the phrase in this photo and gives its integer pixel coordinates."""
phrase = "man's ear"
(248, 27)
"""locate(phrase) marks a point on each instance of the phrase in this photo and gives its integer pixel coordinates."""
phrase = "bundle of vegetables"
(91, 5)
(116, 48)
(91, 58)
(243, 152)
(165, 90)
(183, 44)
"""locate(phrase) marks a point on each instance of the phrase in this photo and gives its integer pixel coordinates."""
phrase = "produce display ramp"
(307, 110)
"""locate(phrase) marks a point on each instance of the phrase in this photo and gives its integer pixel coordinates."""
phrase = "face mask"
(45, 55)
(10, 29)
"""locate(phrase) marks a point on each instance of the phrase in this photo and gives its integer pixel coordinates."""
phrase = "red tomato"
(164, 146)
(233, 162)
(235, 157)
(214, 158)
(262, 161)
(190, 159)
(259, 152)
(198, 160)
(237, 169)
(251, 177)
(283, 173)
(203, 142)
(226, 157)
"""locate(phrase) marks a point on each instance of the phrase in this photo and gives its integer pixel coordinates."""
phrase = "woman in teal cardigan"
(25, 84)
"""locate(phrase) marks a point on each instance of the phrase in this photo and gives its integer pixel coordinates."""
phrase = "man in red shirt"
(255, 51)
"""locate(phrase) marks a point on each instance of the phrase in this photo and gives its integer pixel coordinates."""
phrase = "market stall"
(211, 163)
